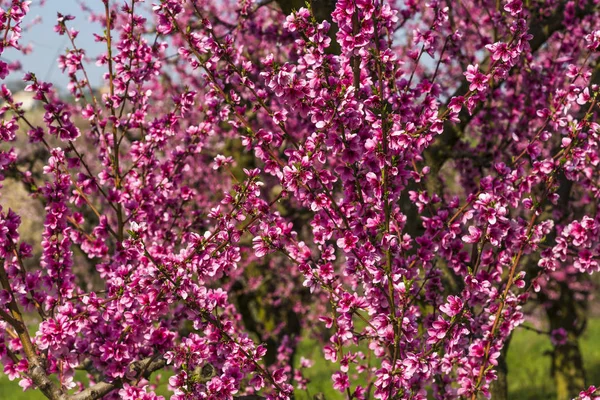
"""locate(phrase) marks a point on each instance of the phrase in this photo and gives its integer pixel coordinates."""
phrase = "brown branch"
(37, 370)
(143, 367)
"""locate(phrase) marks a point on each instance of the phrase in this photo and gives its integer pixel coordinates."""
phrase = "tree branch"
(440, 151)
(321, 9)
(36, 371)
(144, 367)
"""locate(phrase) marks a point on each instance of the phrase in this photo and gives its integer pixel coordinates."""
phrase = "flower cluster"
(395, 184)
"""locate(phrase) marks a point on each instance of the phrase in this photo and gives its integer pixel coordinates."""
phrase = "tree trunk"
(567, 369)
(567, 362)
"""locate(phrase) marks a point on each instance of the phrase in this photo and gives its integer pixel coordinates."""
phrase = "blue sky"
(47, 44)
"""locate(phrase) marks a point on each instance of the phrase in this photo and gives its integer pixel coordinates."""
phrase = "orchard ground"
(528, 369)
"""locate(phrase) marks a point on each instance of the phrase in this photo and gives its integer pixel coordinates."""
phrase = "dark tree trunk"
(567, 370)
(567, 362)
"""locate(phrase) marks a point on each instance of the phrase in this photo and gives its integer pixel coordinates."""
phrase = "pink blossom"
(477, 79)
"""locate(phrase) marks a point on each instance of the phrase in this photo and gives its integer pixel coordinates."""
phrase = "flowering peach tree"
(394, 180)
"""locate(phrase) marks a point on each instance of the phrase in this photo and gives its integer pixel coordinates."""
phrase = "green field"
(528, 375)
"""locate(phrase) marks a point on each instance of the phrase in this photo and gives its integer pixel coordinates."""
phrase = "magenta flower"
(340, 381)
(474, 235)
(452, 307)
(559, 336)
(477, 80)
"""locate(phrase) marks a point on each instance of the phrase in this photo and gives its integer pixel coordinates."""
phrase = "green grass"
(528, 375)
(319, 374)
(12, 390)
(529, 368)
